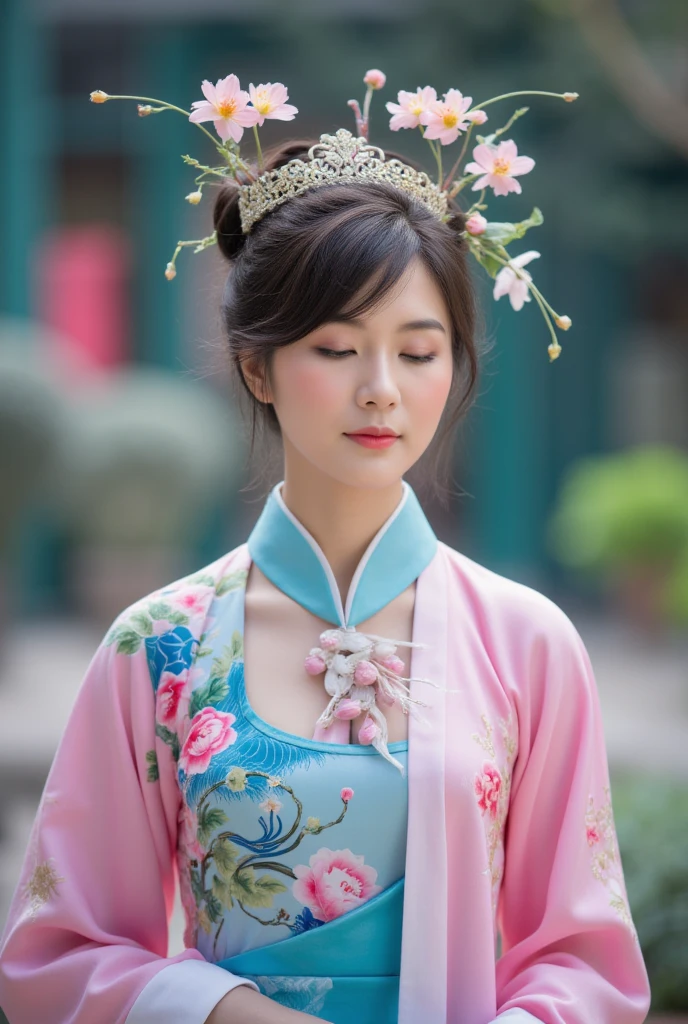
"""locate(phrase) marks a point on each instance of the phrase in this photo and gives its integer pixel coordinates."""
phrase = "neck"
(342, 519)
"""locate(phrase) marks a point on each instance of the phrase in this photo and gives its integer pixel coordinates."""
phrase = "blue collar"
(292, 559)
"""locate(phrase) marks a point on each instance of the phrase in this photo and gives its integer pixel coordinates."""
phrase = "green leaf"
(214, 691)
(170, 738)
(178, 618)
(202, 577)
(237, 645)
(196, 887)
(214, 906)
(233, 581)
(143, 623)
(256, 892)
(209, 819)
(159, 609)
(153, 771)
(223, 891)
(203, 652)
(225, 855)
(128, 640)
(220, 667)
(501, 232)
(491, 265)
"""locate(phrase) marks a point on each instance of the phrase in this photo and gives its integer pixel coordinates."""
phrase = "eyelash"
(345, 352)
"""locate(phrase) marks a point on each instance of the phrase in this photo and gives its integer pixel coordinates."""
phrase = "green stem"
(169, 106)
(538, 297)
(520, 92)
(258, 149)
(448, 179)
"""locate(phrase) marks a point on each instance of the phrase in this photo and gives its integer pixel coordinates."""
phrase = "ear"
(255, 380)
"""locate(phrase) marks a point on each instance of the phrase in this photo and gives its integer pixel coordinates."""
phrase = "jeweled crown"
(335, 158)
(496, 165)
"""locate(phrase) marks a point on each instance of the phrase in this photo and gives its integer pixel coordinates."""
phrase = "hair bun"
(227, 221)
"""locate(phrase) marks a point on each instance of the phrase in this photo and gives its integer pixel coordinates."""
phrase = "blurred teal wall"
(531, 418)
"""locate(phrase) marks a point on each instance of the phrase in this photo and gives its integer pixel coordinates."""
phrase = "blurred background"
(123, 463)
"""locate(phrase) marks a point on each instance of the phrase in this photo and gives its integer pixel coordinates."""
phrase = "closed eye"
(336, 353)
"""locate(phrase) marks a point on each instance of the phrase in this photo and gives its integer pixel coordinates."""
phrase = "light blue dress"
(295, 849)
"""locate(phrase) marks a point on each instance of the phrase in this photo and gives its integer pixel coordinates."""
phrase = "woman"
(368, 758)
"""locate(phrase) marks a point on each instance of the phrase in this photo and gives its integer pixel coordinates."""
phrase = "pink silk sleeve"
(570, 953)
(87, 933)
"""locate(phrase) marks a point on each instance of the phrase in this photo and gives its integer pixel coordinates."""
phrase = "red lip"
(375, 432)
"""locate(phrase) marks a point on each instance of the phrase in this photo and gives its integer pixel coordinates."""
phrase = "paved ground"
(643, 689)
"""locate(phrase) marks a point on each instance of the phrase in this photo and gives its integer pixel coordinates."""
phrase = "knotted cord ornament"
(360, 669)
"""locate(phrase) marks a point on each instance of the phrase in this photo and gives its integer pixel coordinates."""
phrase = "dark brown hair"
(305, 260)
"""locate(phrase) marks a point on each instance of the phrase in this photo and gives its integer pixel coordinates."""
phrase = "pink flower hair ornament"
(496, 165)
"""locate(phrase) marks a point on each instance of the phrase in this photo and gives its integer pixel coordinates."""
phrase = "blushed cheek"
(313, 391)
(430, 398)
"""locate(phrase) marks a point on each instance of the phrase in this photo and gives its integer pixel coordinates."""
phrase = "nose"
(378, 386)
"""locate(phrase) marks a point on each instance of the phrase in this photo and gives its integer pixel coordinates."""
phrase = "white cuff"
(184, 993)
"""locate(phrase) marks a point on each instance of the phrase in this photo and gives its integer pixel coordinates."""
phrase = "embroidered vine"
(605, 857)
(235, 878)
(492, 785)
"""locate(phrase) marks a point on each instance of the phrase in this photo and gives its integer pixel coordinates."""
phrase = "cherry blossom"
(270, 101)
(411, 105)
(227, 106)
(509, 283)
(497, 166)
(446, 118)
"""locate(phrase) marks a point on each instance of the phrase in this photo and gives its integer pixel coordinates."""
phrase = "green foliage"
(170, 738)
(625, 509)
(651, 817)
(209, 818)
(153, 771)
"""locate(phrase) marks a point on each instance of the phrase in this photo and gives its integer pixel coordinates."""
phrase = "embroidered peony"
(210, 733)
(487, 788)
(172, 700)
(498, 166)
(334, 882)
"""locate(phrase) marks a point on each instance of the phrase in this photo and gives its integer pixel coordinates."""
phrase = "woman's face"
(392, 369)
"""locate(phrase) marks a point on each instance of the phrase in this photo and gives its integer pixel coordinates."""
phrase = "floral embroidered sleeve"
(570, 952)
(87, 932)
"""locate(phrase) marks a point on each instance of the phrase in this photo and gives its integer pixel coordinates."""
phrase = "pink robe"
(510, 828)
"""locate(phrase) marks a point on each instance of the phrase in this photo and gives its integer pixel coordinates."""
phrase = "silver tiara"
(341, 157)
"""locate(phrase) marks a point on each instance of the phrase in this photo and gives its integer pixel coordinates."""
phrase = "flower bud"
(194, 197)
(348, 709)
(98, 96)
(312, 823)
(346, 794)
(570, 96)
(554, 351)
(314, 665)
(477, 116)
(476, 224)
(365, 673)
(144, 109)
(330, 639)
(563, 321)
(394, 664)
(170, 271)
(375, 78)
(368, 731)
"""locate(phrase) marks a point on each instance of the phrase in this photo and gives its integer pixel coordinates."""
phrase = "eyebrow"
(412, 325)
